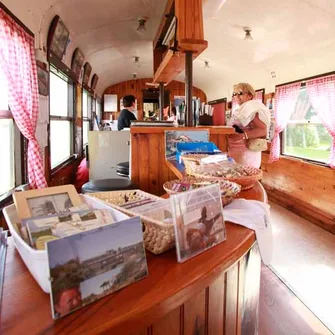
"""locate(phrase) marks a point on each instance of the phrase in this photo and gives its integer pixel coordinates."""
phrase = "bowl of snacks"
(244, 175)
(229, 190)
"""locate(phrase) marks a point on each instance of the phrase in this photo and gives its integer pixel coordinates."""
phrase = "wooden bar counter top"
(209, 294)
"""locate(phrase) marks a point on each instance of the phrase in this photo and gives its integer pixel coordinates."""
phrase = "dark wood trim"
(61, 118)
(54, 60)
(308, 78)
(24, 159)
(19, 22)
(6, 114)
(263, 91)
(88, 89)
(217, 101)
(62, 165)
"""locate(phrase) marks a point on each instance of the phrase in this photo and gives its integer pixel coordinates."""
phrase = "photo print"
(199, 222)
(88, 266)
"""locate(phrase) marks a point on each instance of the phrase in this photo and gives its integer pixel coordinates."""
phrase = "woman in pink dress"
(254, 118)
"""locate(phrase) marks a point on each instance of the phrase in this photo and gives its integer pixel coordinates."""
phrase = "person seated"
(127, 115)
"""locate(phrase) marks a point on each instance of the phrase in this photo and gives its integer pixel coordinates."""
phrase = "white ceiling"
(293, 38)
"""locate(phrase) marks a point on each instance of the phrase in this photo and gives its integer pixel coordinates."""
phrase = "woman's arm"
(258, 130)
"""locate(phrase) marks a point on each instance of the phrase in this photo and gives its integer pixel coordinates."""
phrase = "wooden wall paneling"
(136, 86)
(216, 305)
(169, 324)
(144, 331)
(144, 161)
(195, 315)
(240, 293)
(155, 163)
(65, 175)
(231, 294)
(306, 189)
(249, 291)
(135, 173)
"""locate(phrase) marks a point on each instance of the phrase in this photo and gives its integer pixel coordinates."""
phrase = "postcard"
(172, 137)
(199, 223)
(88, 266)
(66, 224)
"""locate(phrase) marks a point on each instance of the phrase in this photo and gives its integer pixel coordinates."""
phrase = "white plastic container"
(37, 260)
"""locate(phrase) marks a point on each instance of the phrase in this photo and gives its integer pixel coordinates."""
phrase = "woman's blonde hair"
(245, 87)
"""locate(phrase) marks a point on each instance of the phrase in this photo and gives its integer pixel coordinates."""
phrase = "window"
(305, 136)
(10, 167)
(87, 115)
(98, 108)
(61, 117)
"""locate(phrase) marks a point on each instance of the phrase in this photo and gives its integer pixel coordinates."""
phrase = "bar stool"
(103, 185)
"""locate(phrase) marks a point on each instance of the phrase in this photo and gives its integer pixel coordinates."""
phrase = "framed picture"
(88, 266)
(94, 81)
(43, 78)
(77, 62)
(198, 218)
(46, 201)
(58, 37)
(87, 73)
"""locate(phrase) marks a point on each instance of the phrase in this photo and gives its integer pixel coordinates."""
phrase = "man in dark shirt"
(126, 115)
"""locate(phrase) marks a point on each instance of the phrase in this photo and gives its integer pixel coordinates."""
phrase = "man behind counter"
(126, 115)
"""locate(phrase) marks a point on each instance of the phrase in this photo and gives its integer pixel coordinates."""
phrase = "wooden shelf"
(174, 63)
(189, 34)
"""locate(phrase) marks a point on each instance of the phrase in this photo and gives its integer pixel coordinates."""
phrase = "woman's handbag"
(257, 144)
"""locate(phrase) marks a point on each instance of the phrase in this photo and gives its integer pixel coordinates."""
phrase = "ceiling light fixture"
(247, 34)
(207, 64)
(136, 59)
(141, 24)
(134, 75)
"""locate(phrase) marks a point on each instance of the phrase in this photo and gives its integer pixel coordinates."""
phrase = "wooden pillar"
(188, 88)
(161, 101)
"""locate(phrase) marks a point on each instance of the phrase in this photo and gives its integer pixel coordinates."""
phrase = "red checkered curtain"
(285, 98)
(321, 92)
(17, 60)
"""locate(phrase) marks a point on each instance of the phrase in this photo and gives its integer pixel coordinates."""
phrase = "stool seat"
(102, 185)
(122, 169)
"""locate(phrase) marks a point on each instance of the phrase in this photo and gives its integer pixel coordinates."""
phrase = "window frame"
(89, 117)
(20, 154)
(302, 122)
(70, 115)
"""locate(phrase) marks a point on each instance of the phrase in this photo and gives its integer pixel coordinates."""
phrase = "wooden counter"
(148, 169)
(204, 292)
(209, 294)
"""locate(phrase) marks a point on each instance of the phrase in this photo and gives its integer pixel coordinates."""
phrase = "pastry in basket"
(246, 176)
(229, 190)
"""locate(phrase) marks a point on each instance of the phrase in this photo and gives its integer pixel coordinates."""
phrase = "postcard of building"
(62, 225)
(198, 218)
(88, 266)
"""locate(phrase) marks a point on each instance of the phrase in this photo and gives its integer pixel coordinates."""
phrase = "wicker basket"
(158, 236)
(246, 182)
(229, 190)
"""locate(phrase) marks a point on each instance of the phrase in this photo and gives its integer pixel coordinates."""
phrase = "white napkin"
(254, 215)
